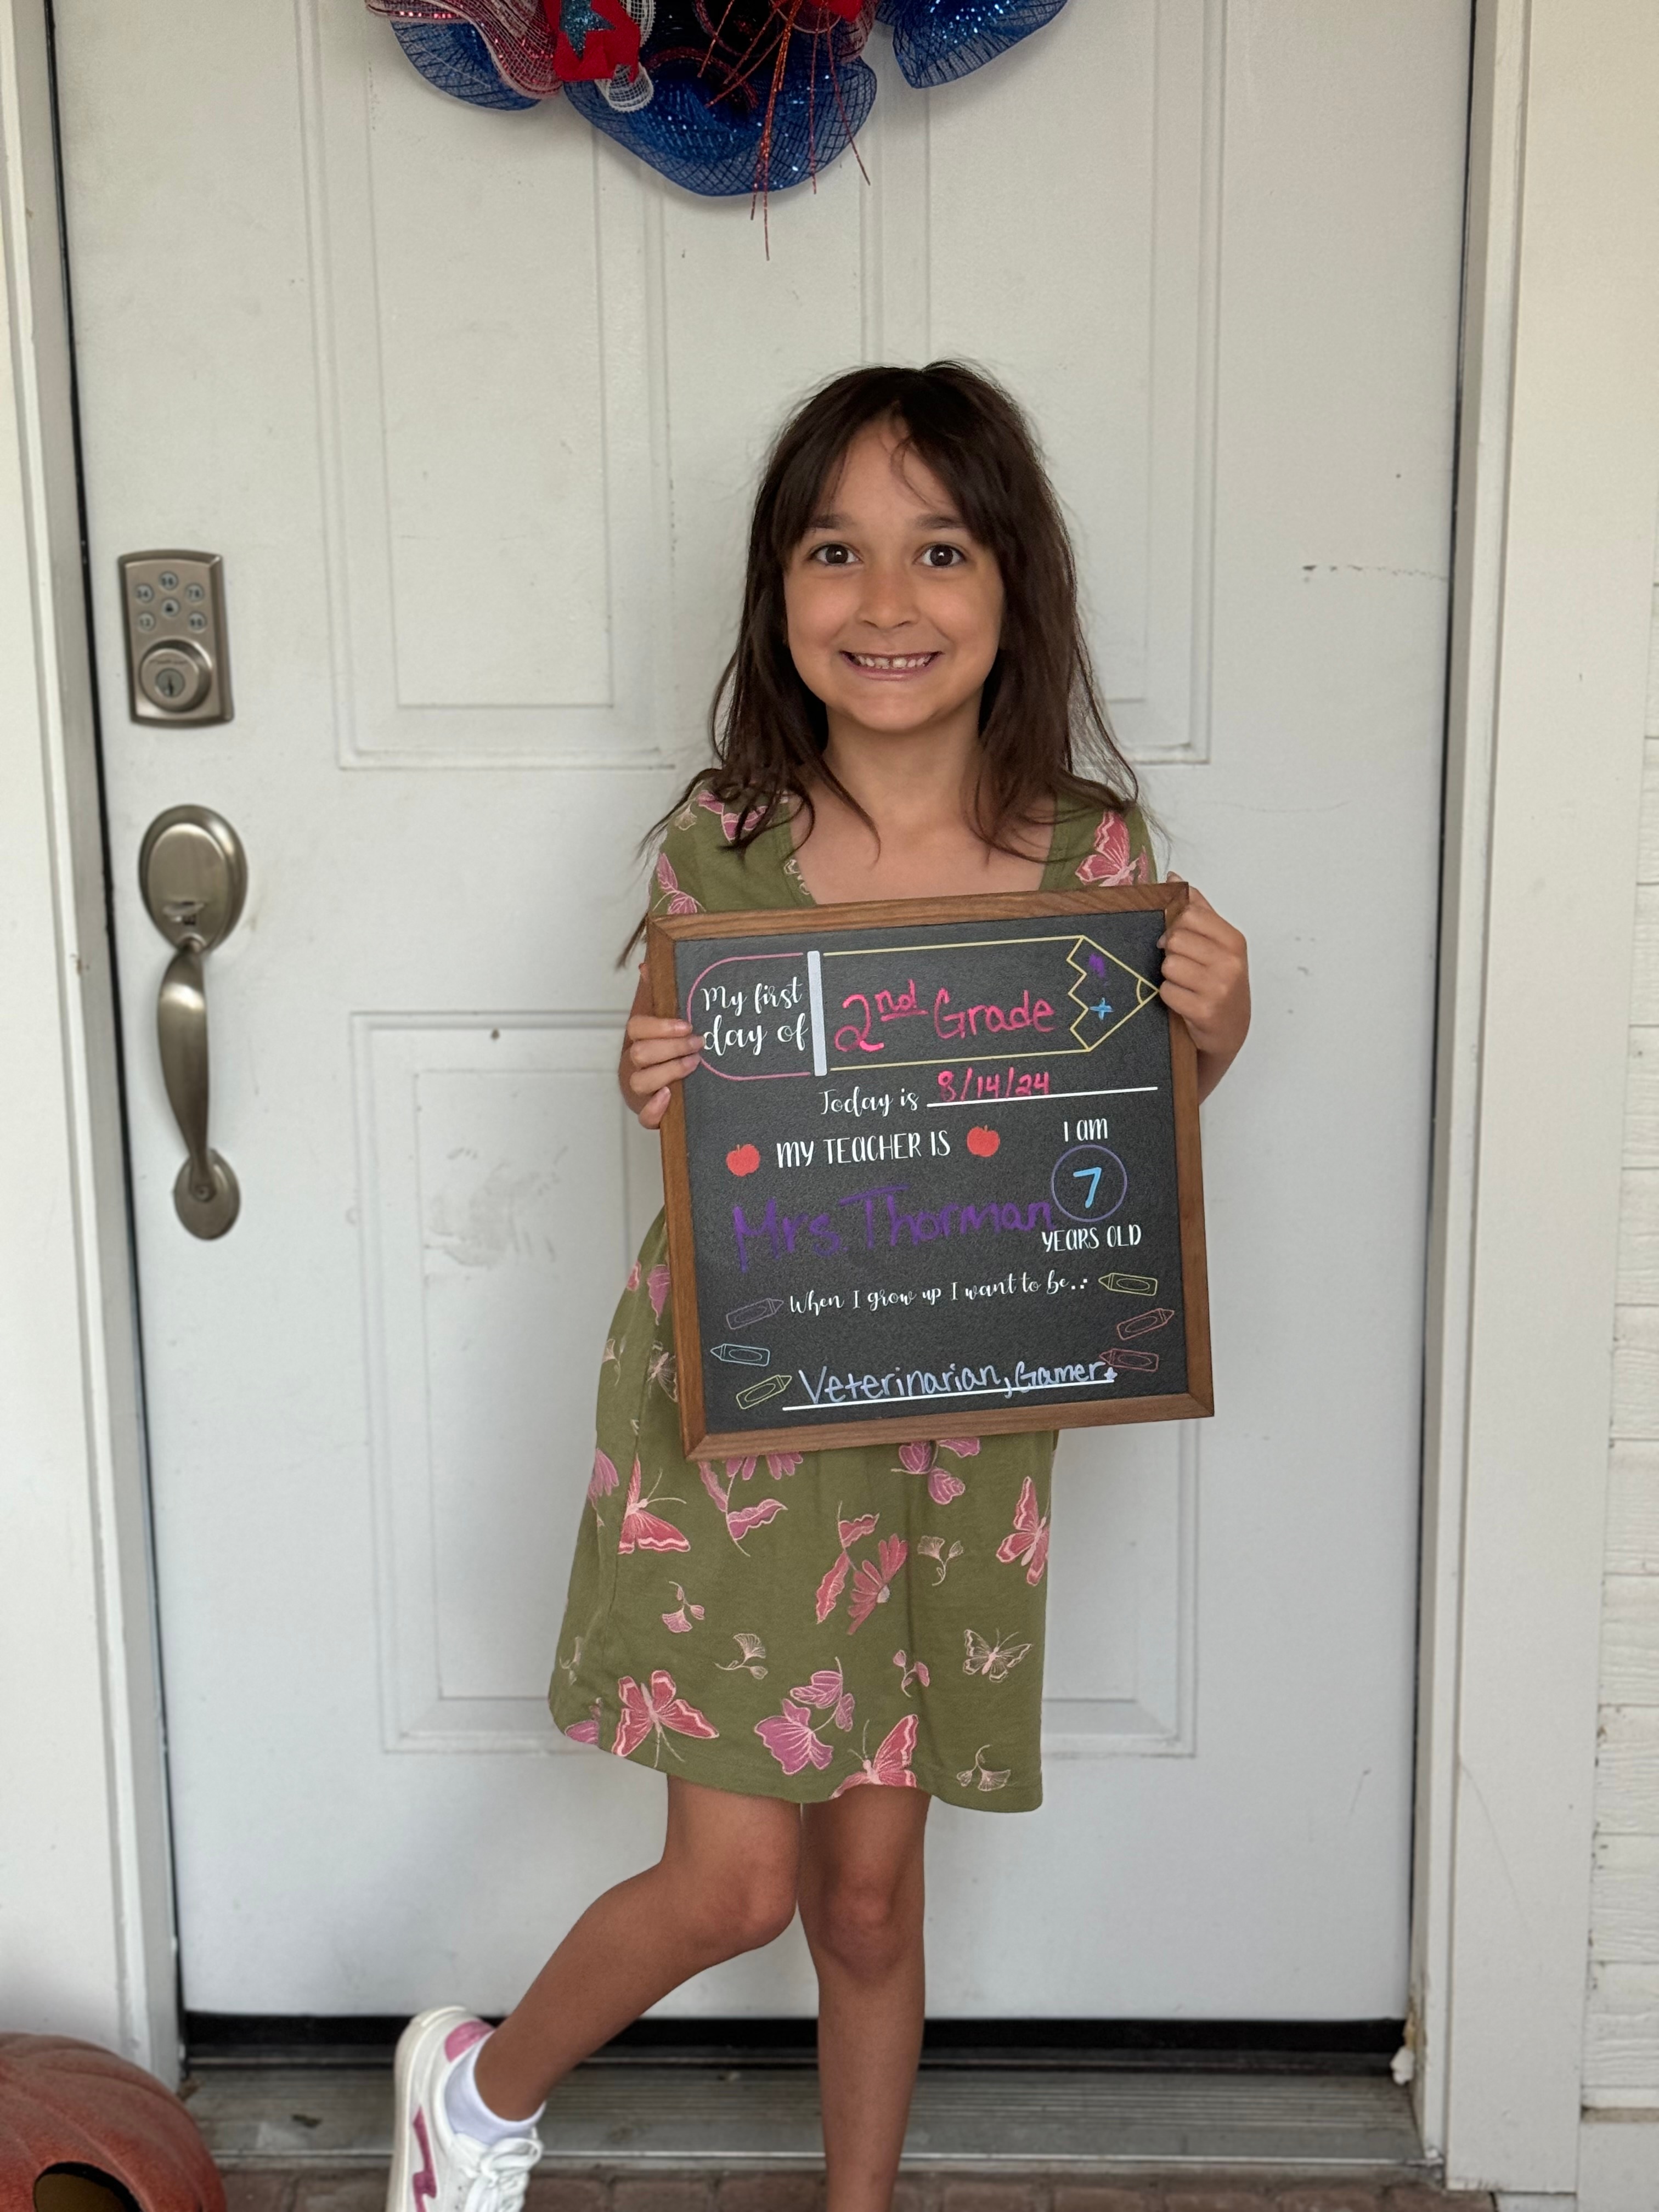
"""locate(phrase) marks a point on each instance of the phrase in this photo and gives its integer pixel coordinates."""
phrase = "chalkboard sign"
(937, 1172)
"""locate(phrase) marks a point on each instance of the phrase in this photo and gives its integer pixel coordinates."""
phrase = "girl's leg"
(724, 1883)
(861, 1906)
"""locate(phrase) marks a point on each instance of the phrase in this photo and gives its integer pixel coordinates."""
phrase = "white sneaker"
(432, 2168)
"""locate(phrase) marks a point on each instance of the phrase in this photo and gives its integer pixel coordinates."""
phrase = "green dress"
(795, 1624)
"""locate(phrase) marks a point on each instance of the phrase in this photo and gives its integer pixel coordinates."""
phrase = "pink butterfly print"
(791, 1739)
(870, 1580)
(911, 1670)
(662, 1368)
(656, 1287)
(678, 1623)
(1108, 863)
(633, 1282)
(731, 821)
(828, 1689)
(923, 1459)
(850, 1532)
(649, 1712)
(831, 1587)
(602, 1481)
(1030, 1538)
(587, 1731)
(647, 1530)
(890, 1767)
(746, 1518)
(679, 901)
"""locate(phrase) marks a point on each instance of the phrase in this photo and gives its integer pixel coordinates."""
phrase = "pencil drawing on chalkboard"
(861, 1264)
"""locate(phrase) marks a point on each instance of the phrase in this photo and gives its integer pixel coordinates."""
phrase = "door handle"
(192, 871)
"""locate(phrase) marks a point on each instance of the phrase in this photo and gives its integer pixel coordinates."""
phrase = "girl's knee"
(866, 1924)
(753, 1912)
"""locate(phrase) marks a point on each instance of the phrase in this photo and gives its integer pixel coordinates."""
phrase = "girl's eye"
(831, 556)
(945, 556)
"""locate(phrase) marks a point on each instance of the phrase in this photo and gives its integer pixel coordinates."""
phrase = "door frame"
(1551, 607)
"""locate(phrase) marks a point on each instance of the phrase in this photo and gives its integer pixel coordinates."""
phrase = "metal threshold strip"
(653, 2118)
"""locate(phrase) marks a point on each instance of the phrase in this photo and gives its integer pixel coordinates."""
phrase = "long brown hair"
(1044, 733)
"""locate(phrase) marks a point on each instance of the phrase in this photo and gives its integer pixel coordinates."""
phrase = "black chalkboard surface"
(937, 1172)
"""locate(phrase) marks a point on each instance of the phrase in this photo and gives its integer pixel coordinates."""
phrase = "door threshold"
(740, 2119)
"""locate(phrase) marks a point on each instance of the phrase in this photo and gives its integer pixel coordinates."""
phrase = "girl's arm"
(655, 1053)
(1207, 981)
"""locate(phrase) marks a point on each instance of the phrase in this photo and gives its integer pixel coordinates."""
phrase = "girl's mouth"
(891, 663)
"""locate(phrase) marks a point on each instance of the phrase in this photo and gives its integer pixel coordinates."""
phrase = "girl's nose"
(888, 602)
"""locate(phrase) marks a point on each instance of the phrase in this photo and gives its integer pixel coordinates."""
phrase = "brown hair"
(1043, 728)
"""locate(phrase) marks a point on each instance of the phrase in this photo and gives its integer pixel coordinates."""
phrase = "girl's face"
(894, 610)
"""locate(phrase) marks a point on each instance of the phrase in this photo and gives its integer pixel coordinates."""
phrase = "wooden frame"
(1196, 1401)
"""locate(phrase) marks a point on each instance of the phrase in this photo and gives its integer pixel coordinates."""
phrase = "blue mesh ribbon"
(731, 97)
(693, 137)
(935, 41)
(454, 58)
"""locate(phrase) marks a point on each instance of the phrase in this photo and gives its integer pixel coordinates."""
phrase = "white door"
(469, 403)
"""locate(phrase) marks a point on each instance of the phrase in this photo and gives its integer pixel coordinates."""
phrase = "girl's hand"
(1207, 981)
(657, 1052)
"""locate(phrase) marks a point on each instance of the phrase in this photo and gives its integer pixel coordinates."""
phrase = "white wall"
(1622, 2024)
(85, 1940)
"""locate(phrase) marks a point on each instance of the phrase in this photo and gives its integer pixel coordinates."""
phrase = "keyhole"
(170, 683)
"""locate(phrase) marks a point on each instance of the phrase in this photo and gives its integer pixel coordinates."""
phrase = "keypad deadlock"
(178, 664)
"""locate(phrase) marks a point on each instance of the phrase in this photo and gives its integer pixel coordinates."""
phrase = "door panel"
(471, 404)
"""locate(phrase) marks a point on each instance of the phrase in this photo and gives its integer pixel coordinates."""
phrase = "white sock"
(466, 2110)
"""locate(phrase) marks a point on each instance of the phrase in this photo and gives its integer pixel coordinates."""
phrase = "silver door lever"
(193, 874)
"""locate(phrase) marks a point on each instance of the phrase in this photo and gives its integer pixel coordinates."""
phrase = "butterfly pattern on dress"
(740, 1521)
(872, 1579)
(1110, 861)
(923, 1459)
(792, 1740)
(829, 1589)
(587, 1731)
(652, 1712)
(730, 820)
(602, 1481)
(1028, 1539)
(996, 1662)
(911, 1670)
(678, 901)
(828, 1691)
(647, 1530)
(890, 1767)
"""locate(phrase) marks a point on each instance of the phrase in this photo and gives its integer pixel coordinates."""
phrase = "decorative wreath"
(721, 96)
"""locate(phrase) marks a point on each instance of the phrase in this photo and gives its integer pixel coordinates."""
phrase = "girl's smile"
(873, 664)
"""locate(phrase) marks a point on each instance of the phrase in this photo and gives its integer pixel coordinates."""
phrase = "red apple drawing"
(744, 1161)
(981, 1143)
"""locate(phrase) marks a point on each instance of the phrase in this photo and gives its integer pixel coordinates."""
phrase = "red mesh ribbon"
(591, 40)
(520, 40)
(728, 44)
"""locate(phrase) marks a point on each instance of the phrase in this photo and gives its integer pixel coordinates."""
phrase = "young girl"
(909, 713)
